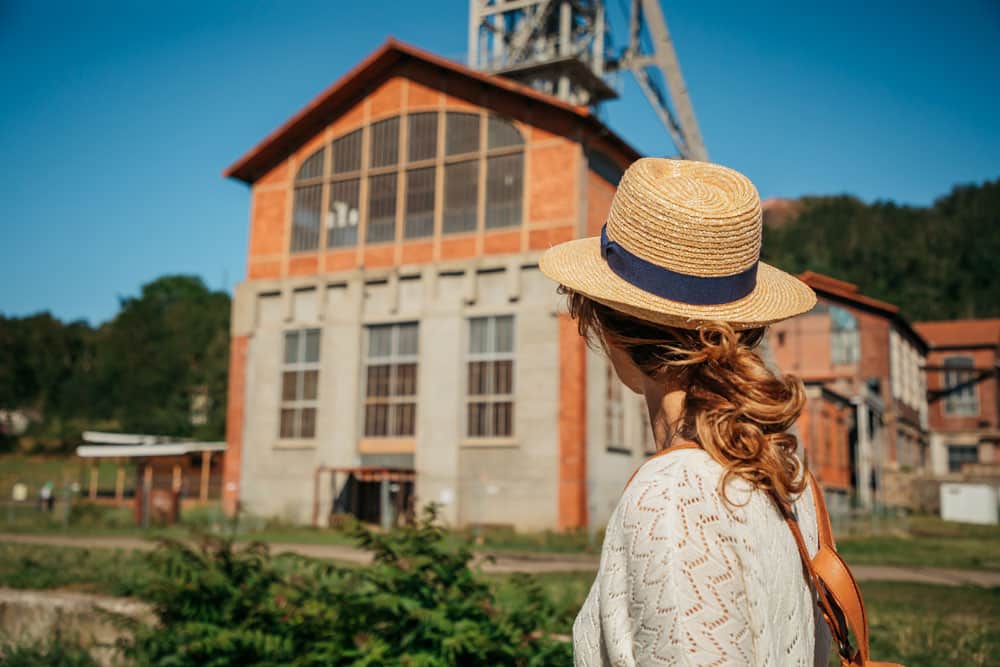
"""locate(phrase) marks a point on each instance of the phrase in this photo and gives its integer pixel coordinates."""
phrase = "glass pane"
(385, 142)
(381, 208)
(477, 420)
(404, 421)
(503, 377)
(501, 133)
(307, 423)
(377, 384)
(379, 341)
(312, 346)
(460, 194)
(377, 420)
(407, 340)
(289, 385)
(461, 133)
(479, 377)
(479, 335)
(406, 380)
(504, 334)
(305, 217)
(503, 419)
(504, 200)
(423, 136)
(347, 153)
(291, 347)
(310, 384)
(419, 203)
(287, 429)
(342, 217)
(312, 167)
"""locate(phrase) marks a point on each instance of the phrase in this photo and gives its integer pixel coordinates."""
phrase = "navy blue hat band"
(680, 287)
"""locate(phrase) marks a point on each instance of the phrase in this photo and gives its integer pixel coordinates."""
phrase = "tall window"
(490, 380)
(308, 203)
(959, 455)
(343, 214)
(960, 387)
(391, 380)
(419, 221)
(382, 208)
(844, 342)
(336, 174)
(614, 410)
(460, 195)
(300, 384)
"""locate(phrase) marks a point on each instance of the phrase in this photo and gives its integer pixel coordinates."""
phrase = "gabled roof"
(961, 333)
(346, 91)
(846, 291)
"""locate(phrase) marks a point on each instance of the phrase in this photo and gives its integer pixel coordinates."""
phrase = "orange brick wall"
(824, 433)
(552, 186)
(236, 399)
(572, 426)
(986, 390)
(600, 193)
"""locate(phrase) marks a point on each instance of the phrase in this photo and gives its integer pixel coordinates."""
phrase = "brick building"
(393, 324)
(861, 362)
(962, 390)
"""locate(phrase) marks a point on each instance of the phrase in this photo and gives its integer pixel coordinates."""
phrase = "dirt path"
(522, 562)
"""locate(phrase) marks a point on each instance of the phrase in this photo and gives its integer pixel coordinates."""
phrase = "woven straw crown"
(696, 218)
(680, 233)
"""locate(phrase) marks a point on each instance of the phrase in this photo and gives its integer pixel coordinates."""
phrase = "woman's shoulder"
(677, 469)
(684, 485)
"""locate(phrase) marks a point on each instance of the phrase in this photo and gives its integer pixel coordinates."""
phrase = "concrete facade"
(554, 471)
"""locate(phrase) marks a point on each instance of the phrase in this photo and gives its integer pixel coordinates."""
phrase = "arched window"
(343, 216)
(504, 174)
(308, 203)
(439, 166)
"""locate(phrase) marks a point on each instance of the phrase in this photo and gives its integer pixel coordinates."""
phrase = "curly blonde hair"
(735, 407)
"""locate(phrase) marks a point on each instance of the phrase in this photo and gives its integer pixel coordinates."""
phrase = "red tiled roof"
(845, 290)
(345, 91)
(960, 333)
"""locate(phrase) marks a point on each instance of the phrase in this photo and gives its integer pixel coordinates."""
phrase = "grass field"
(916, 624)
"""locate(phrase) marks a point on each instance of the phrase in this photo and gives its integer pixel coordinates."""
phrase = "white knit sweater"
(686, 579)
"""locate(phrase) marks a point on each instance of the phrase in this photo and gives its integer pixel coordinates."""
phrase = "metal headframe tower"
(564, 48)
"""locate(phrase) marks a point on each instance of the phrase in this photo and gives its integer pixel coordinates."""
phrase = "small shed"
(191, 471)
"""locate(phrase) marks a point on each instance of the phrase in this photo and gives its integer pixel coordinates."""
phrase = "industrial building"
(393, 321)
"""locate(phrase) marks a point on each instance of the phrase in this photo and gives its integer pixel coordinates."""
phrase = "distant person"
(47, 497)
(701, 563)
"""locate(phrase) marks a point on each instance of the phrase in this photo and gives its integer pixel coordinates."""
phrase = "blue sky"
(117, 117)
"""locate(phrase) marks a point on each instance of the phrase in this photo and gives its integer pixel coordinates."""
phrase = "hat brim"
(579, 266)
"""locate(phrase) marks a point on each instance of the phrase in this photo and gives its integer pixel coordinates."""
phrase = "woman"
(699, 566)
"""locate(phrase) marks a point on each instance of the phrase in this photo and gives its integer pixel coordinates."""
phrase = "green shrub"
(419, 604)
(54, 653)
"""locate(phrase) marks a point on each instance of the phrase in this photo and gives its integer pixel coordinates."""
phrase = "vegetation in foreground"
(419, 604)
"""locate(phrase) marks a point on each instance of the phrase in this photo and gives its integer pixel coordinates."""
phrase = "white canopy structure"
(135, 445)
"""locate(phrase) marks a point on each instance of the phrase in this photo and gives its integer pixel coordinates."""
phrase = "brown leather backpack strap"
(674, 448)
(823, 526)
(840, 587)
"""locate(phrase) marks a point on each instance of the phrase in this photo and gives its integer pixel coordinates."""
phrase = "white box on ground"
(969, 503)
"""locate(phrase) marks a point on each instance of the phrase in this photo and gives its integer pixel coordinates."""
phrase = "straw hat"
(681, 247)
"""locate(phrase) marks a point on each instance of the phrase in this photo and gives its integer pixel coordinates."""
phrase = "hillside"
(938, 262)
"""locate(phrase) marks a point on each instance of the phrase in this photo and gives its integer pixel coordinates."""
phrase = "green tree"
(162, 349)
(934, 263)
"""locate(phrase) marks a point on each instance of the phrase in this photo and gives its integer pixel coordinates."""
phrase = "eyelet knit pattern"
(687, 579)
